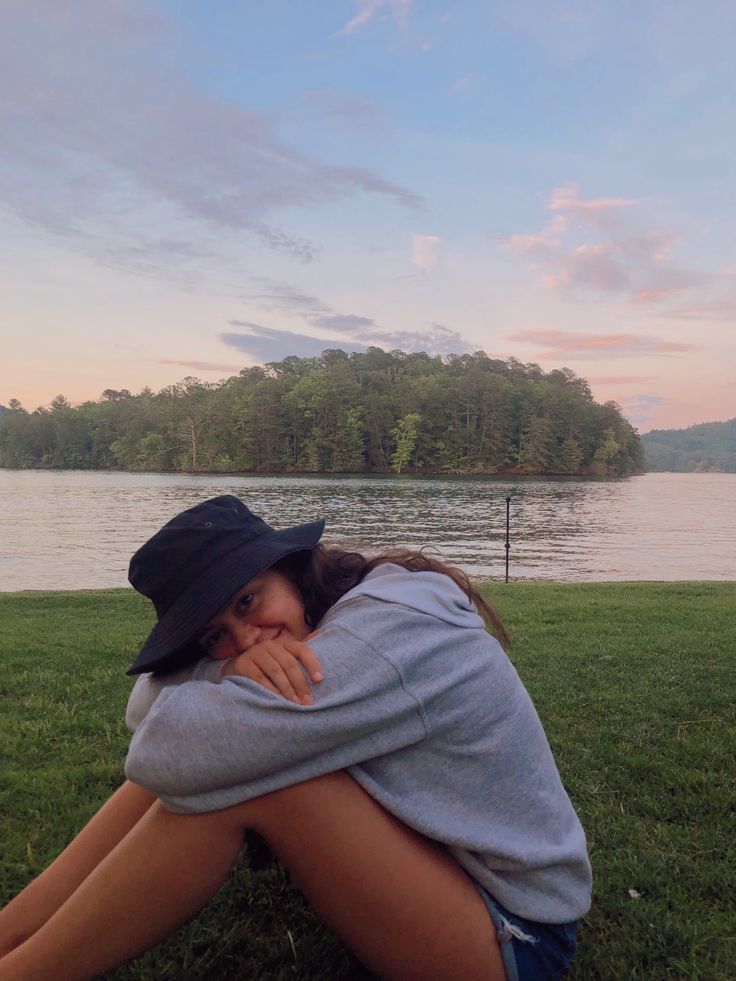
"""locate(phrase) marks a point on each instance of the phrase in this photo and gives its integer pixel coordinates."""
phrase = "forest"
(369, 412)
(705, 447)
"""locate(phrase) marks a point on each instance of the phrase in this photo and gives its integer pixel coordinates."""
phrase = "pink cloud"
(599, 212)
(369, 9)
(425, 251)
(713, 307)
(202, 365)
(460, 84)
(649, 297)
(622, 379)
(539, 246)
(595, 266)
(579, 345)
(594, 245)
(345, 109)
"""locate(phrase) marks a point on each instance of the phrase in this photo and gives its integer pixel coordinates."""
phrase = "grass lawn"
(635, 686)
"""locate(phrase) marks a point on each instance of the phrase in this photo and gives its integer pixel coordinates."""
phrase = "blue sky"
(189, 188)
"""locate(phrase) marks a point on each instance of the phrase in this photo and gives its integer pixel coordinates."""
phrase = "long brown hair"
(326, 573)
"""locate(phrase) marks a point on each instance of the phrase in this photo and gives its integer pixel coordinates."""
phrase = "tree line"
(705, 446)
(369, 412)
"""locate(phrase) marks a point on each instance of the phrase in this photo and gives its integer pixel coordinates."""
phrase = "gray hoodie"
(424, 710)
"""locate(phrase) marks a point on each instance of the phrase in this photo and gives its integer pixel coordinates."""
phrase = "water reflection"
(66, 530)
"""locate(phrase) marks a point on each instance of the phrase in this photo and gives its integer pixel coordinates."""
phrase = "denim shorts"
(531, 951)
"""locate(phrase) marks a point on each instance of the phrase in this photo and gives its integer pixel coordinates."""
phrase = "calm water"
(74, 530)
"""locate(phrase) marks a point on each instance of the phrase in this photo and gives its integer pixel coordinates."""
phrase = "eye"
(243, 602)
(210, 640)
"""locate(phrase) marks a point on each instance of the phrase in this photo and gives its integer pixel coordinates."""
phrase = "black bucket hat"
(195, 563)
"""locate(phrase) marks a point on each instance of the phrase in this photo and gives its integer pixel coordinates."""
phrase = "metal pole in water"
(507, 545)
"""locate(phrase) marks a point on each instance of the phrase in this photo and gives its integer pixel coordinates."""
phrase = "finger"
(267, 658)
(246, 669)
(303, 653)
(311, 662)
(285, 672)
(265, 682)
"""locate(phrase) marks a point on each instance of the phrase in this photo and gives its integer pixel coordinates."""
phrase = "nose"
(245, 635)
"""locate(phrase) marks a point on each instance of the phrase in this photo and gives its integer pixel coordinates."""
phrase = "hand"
(279, 665)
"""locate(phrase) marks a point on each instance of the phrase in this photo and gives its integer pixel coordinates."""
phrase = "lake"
(78, 529)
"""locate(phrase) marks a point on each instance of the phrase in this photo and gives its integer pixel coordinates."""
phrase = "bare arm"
(25, 914)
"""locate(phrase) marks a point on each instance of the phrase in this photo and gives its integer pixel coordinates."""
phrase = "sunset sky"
(188, 188)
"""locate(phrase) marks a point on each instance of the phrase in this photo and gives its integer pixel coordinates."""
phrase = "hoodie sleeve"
(206, 747)
(148, 687)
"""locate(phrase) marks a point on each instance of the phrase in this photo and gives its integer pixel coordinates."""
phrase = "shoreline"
(383, 474)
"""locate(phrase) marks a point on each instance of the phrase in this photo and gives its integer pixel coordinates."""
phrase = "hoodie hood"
(425, 592)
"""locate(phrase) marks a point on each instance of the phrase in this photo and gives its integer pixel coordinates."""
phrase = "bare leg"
(163, 872)
(31, 908)
(399, 901)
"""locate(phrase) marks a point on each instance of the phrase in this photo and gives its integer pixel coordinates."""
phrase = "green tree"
(347, 443)
(152, 453)
(193, 404)
(538, 449)
(72, 442)
(604, 461)
(126, 451)
(570, 456)
(404, 435)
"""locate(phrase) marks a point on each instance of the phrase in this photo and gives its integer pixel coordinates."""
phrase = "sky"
(191, 188)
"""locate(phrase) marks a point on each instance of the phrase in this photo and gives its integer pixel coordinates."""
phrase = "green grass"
(634, 683)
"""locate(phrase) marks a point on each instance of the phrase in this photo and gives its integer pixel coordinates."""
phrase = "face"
(266, 607)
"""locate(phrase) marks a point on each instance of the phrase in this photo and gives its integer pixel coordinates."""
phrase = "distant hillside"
(707, 446)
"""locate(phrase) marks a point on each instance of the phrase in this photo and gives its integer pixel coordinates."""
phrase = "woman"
(412, 793)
